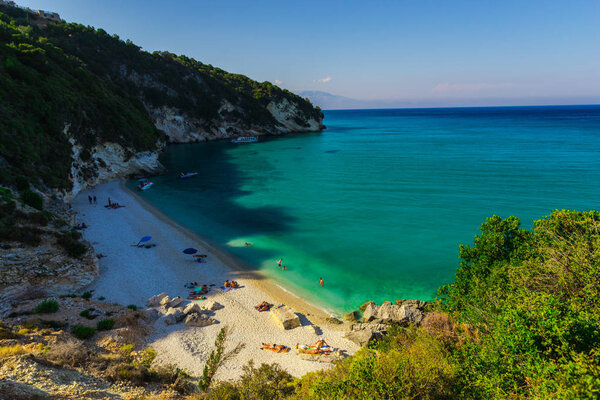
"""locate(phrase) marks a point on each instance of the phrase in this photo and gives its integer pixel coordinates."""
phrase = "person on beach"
(90, 199)
(321, 282)
(109, 202)
(94, 198)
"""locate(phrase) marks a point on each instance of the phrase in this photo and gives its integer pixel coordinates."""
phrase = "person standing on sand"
(90, 199)
(95, 202)
(321, 281)
(109, 201)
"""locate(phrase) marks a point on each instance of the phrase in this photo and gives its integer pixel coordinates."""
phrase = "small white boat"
(144, 184)
(185, 175)
(245, 139)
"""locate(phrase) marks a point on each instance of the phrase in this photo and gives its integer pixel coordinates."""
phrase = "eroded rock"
(286, 317)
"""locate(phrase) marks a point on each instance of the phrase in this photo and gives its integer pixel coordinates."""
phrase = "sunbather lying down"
(278, 348)
(318, 348)
(264, 306)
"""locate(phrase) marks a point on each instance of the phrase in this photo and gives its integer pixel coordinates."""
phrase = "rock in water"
(199, 320)
(286, 317)
(364, 306)
(351, 316)
(370, 312)
(154, 301)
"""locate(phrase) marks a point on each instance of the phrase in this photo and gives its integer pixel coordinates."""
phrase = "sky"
(421, 52)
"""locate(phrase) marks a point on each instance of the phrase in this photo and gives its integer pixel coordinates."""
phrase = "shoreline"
(258, 279)
(131, 275)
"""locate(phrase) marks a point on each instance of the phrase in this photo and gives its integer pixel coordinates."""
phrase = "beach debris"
(351, 316)
(286, 317)
(199, 320)
(154, 301)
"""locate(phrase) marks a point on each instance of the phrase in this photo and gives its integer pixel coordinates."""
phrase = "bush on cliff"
(46, 307)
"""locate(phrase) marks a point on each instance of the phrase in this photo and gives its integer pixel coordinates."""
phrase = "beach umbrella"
(145, 239)
(190, 251)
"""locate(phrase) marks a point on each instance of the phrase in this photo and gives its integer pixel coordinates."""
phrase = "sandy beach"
(131, 275)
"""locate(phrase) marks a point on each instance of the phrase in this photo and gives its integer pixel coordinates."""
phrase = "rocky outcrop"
(44, 269)
(405, 313)
(376, 319)
(107, 161)
(199, 320)
(286, 317)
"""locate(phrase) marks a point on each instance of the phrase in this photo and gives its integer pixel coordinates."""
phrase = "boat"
(245, 139)
(185, 175)
(144, 184)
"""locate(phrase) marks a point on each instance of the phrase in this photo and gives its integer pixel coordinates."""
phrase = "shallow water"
(378, 203)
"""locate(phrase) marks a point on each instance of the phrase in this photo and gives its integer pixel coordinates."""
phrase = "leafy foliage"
(46, 307)
(82, 331)
(105, 324)
(64, 81)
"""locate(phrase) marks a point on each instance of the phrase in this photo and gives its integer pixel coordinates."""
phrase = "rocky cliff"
(79, 106)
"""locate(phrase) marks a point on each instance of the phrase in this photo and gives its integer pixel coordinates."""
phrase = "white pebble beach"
(131, 275)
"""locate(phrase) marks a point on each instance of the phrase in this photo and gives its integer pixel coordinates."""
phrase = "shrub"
(105, 324)
(21, 183)
(148, 356)
(86, 314)
(126, 349)
(83, 332)
(6, 332)
(132, 307)
(70, 242)
(101, 298)
(86, 295)
(7, 351)
(32, 199)
(46, 307)
(265, 382)
(71, 353)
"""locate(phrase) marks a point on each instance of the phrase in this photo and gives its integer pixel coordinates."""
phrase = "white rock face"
(107, 161)
(286, 114)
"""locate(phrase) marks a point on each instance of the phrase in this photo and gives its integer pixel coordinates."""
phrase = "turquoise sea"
(378, 203)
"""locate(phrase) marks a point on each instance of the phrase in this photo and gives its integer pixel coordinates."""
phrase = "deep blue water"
(378, 203)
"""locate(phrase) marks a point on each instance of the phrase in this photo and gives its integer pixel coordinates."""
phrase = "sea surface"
(378, 203)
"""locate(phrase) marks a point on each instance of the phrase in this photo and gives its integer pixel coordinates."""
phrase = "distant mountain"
(328, 101)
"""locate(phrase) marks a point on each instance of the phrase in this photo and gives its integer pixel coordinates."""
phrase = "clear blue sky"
(417, 49)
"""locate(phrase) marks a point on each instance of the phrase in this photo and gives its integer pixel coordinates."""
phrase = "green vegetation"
(520, 321)
(32, 199)
(86, 295)
(214, 360)
(71, 81)
(105, 324)
(46, 307)
(132, 307)
(82, 332)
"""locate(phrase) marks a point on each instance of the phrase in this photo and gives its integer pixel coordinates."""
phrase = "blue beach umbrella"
(190, 251)
(145, 239)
